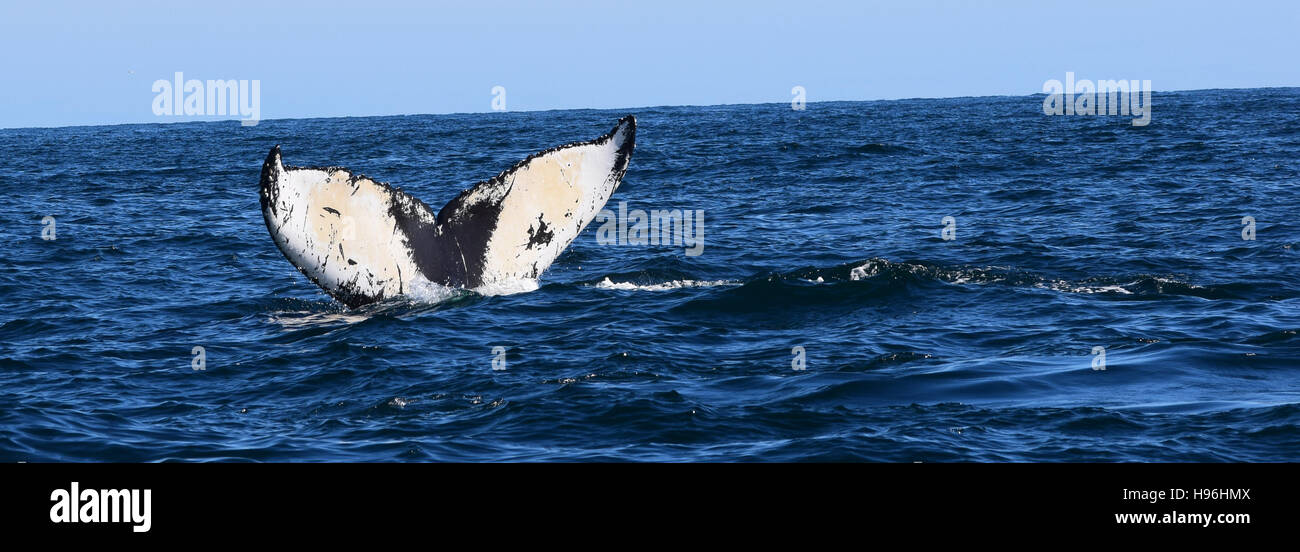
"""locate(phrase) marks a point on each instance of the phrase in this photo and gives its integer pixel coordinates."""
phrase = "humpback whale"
(363, 241)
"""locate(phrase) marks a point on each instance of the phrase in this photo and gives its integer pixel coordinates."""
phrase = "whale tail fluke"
(363, 241)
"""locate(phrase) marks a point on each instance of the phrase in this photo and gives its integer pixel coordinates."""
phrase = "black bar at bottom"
(326, 500)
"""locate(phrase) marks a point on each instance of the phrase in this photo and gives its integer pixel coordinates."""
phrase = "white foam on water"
(508, 287)
(427, 292)
(867, 270)
(1062, 285)
(993, 275)
(297, 320)
(424, 291)
(674, 284)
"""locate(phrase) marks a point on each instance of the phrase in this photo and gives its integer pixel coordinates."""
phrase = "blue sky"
(68, 63)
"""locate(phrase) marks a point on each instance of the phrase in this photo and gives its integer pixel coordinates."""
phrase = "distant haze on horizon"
(75, 63)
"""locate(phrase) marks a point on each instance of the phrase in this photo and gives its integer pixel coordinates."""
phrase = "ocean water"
(822, 231)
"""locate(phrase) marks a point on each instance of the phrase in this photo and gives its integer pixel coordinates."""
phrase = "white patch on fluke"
(556, 194)
(339, 231)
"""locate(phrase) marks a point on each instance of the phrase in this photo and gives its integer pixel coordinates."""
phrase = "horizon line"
(204, 120)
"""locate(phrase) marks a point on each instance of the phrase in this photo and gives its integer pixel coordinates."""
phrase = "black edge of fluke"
(268, 173)
(624, 149)
(626, 119)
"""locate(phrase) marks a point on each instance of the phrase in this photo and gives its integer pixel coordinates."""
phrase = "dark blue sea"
(822, 232)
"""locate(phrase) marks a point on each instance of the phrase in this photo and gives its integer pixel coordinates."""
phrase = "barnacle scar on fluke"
(363, 241)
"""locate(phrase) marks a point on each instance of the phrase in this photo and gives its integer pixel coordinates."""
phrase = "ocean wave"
(1140, 285)
(879, 148)
(877, 279)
